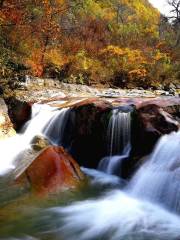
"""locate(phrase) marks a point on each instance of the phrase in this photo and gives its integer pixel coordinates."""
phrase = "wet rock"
(86, 129)
(173, 110)
(149, 124)
(26, 157)
(19, 112)
(6, 126)
(51, 171)
(168, 104)
(39, 142)
(172, 91)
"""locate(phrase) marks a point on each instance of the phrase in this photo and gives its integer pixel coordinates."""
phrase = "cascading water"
(140, 212)
(121, 215)
(54, 129)
(119, 132)
(158, 179)
(119, 146)
(115, 216)
(44, 121)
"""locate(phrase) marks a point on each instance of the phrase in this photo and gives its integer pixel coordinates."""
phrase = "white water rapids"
(146, 209)
(117, 216)
(158, 180)
(43, 122)
(121, 215)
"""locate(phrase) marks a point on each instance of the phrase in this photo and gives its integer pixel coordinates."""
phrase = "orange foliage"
(98, 39)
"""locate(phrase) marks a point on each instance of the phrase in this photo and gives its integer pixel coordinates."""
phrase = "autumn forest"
(117, 43)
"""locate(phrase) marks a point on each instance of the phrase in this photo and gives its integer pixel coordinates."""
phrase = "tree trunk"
(1, 3)
(46, 42)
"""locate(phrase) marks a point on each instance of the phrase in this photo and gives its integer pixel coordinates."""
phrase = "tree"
(175, 18)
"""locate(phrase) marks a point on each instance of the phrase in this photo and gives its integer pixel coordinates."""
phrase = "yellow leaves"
(135, 56)
(163, 58)
(138, 73)
(159, 56)
(115, 50)
(82, 61)
(146, 12)
(34, 62)
(39, 60)
(60, 2)
(93, 8)
(89, 66)
(101, 9)
(131, 61)
(109, 15)
(56, 57)
(130, 55)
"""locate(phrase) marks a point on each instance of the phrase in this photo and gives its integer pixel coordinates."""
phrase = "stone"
(19, 112)
(53, 170)
(39, 142)
(150, 123)
(86, 131)
(6, 126)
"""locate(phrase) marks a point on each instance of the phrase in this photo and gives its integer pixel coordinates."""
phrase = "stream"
(104, 207)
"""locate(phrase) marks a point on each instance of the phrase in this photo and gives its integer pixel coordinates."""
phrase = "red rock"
(150, 124)
(53, 170)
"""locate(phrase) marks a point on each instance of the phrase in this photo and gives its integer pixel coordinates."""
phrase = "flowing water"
(54, 130)
(45, 121)
(161, 173)
(119, 142)
(119, 131)
(148, 208)
(105, 207)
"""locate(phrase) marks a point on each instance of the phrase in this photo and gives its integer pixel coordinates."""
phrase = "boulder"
(19, 112)
(51, 171)
(26, 157)
(6, 126)
(174, 110)
(39, 142)
(86, 131)
(149, 124)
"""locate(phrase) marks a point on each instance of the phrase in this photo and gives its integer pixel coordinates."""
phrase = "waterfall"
(54, 129)
(141, 211)
(147, 208)
(45, 120)
(118, 138)
(119, 132)
(40, 117)
(158, 179)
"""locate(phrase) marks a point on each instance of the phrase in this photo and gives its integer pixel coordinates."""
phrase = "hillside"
(121, 43)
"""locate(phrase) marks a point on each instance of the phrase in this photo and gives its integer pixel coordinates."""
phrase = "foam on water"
(116, 216)
(158, 179)
(140, 212)
(101, 178)
(42, 118)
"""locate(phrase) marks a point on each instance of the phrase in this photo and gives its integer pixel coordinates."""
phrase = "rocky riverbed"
(88, 117)
(61, 129)
(41, 89)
